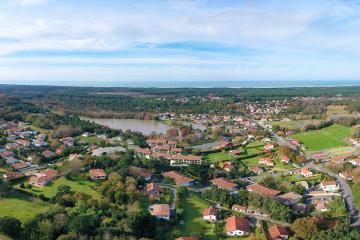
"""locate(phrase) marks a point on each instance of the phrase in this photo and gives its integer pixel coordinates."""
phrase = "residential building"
(97, 174)
(289, 198)
(143, 152)
(266, 161)
(184, 160)
(209, 214)
(153, 190)
(179, 179)
(141, 172)
(237, 226)
(262, 190)
(224, 184)
(279, 233)
(329, 186)
(160, 211)
(43, 178)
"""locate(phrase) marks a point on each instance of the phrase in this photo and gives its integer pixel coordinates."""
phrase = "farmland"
(326, 138)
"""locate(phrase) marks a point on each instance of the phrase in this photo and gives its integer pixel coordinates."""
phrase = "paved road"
(346, 190)
(347, 196)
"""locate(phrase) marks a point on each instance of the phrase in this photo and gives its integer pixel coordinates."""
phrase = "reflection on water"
(144, 126)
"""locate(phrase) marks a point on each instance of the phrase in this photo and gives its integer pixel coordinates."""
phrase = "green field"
(356, 193)
(218, 157)
(193, 221)
(78, 186)
(22, 207)
(326, 138)
(294, 124)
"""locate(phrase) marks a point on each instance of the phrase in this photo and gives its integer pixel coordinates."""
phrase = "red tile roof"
(257, 188)
(277, 231)
(224, 184)
(209, 211)
(178, 178)
(234, 223)
(96, 173)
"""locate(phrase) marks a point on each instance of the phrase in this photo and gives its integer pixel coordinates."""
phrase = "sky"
(85, 42)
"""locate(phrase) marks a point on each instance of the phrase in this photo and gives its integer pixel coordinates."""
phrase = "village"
(242, 175)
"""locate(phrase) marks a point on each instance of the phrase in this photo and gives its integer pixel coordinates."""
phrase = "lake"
(144, 126)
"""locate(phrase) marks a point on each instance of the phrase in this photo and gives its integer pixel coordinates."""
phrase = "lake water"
(144, 126)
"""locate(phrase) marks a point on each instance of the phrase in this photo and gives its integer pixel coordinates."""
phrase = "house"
(68, 141)
(160, 211)
(107, 151)
(143, 153)
(237, 226)
(329, 186)
(306, 172)
(241, 209)
(266, 161)
(256, 169)
(10, 176)
(225, 184)
(235, 153)
(187, 238)
(153, 190)
(11, 160)
(289, 198)
(20, 165)
(355, 162)
(227, 166)
(285, 159)
(346, 175)
(48, 154)
(184, 160)
(338, 159)
(97, 174)
(304, 184)
(160, 156)
(269, 147)
(179, 179)
(75, 156)
(299, 208)
(224, 144)
(320, 205)
(295, 142)
(279, 233)
(140, 172)
(209, 214)
(162, 149)
(43, 178)
(175, 150)
(5, 154)
(262, 190)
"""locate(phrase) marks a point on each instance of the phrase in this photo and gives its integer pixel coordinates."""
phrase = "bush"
(10, 226)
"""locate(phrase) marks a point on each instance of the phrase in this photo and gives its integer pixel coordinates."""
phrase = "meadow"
(326, 138)
(21, 206)
(50, 190)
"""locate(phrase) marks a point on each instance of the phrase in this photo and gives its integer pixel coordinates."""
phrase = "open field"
(78, 186)
(22, 207)
(336, 111)
(326, 138)
(193, 222)
(218, 157)
(356, 193)
(295, 124)
(254, 147)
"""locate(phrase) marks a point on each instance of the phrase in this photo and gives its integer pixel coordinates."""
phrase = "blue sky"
(90, 41)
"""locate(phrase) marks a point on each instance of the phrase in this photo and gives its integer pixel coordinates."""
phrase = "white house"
(237, 226)
(209, 214)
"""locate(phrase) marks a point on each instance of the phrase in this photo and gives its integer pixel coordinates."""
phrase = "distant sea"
(192, 84)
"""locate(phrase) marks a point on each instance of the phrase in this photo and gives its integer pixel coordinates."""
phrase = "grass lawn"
(298, 178)
(78, 186)
(193, 221)
(295, 124)
(253, 161)
(326, 138)
(356, 193)
(90, 140)
(218, 157)
(254, 147)
(22, 207)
